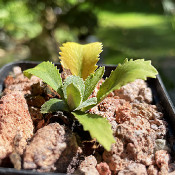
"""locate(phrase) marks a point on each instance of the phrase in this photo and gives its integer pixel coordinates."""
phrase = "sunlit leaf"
(87, 104)
(98, 128)
(48, 73)
(127, 72)
(92, 81)
(80, 59)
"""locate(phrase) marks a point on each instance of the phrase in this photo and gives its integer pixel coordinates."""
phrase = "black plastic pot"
(160, 96)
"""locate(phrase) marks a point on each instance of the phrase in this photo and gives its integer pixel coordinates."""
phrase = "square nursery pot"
(160, 99)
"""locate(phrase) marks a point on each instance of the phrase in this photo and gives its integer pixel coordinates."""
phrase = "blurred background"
(34, 30)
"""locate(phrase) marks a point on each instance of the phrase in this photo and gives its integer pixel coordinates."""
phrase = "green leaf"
(54, 105)
(74, 96)
(48, 73)
(98, 128)
(129, 71)
(92, 81)
(87, 104)
(77, 81)
(80, 59)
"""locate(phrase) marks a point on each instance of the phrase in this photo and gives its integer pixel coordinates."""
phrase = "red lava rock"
(134, 169)
(134, 131)
(19, 82)
(109, 108)
(139, 140)
(116, 163)
(88, 166)
(103, 168)
(162, 159)
(152, 170)
(50, 144)
(159, 126)
(137, 91)
(144, 114)
(116, 148)
(122, 113)
(16, 126)
(137, 126)
(147, 111)
(113, 157)
(150, 113)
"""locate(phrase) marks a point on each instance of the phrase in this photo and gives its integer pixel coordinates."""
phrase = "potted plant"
(90, 125)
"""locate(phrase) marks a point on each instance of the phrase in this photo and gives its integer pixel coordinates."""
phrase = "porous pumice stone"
(136, 91)
(48, 145)
(88, 166)
(134, 169)
(103, 168)
(18, 82)
(16, 125)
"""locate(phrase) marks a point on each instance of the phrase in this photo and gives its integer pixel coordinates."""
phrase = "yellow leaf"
(80, 59)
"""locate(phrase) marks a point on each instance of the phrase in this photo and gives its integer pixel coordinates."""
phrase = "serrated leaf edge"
(131, 80)
(28, 74)
(93, 75)
(81, 106)
(109, 127)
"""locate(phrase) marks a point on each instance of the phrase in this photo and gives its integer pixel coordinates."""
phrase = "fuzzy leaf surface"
(92, 81)
(127, 72)
(48, 73)
(98, 128)
(86, 104)
(74, 96)
(80, 59)
(54, 105)
(77, 81)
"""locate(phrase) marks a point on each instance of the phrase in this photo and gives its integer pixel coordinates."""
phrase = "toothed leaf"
(48, 73)
(98, 128)
(74, 96)
(86, 104)
(127, 72)
(54, 105)
(92, 81)
(80, 59)
(77, 81)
